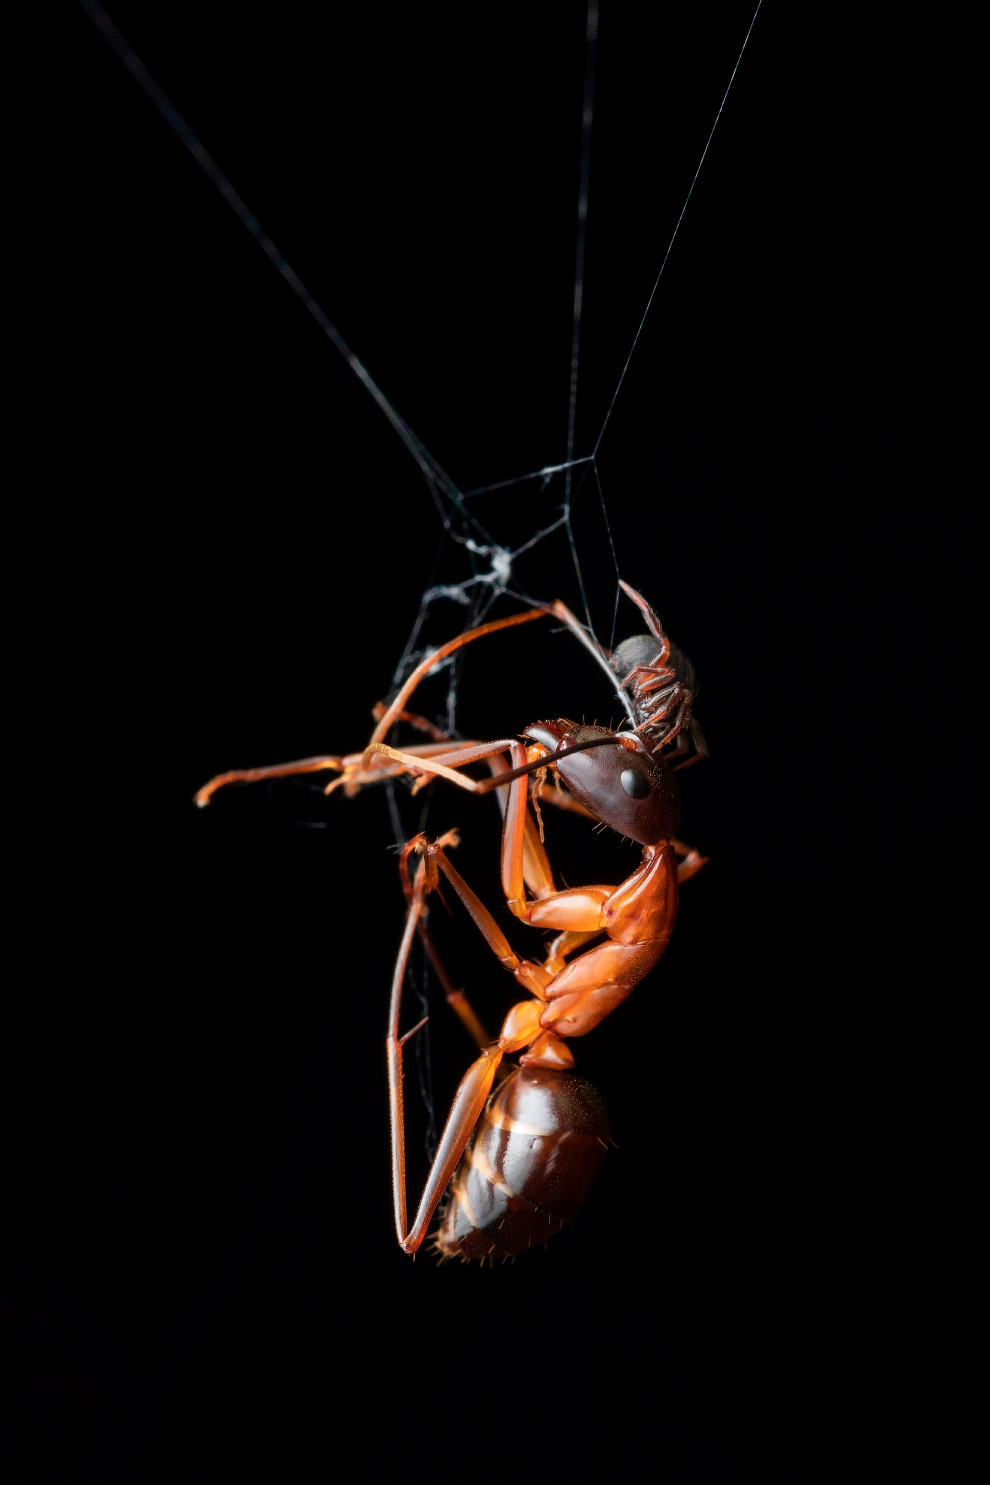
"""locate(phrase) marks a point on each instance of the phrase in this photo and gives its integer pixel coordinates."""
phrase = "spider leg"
(652, 622)
(678, 697)
(656, 676)
(663, 702)
(682, 741)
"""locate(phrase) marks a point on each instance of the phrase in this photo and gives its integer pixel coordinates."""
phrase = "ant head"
(615, 777)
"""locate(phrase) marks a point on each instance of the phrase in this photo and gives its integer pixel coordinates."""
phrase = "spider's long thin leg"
(652, 622)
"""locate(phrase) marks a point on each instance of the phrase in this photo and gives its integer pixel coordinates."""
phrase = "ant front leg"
(273, 771)
(577, 909)
(352, 772)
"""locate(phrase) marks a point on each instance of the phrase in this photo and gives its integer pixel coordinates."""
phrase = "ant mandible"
(521, 1160)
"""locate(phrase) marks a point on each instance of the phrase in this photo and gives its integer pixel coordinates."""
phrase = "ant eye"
(634, 783)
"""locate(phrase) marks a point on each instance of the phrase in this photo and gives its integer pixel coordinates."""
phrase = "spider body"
(659, 680)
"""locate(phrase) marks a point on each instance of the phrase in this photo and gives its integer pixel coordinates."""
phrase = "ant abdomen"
(536, 1153)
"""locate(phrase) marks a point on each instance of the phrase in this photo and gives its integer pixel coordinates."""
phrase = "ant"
(523, 1144)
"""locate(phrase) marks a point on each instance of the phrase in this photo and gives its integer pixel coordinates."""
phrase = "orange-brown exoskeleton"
(524, 1142)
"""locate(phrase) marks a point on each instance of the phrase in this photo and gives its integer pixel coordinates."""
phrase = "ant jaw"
(564, 734)
(631, 742)
(550, 735)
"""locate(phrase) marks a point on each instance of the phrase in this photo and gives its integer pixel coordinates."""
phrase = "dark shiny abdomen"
(534, 1157)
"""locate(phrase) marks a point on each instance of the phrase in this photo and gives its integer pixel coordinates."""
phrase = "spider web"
(492, 554)
(500, 568)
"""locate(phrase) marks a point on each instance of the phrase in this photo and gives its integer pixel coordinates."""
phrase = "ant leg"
(520, 1029)
(562, 800)
(455, 997)
(565, 943)
(347, 765)
(531, 976)
(438, 763)
(469, 1100)
(536, 864)
(397, 705)
(576, 908)
(421, 724)
(691, 864)
(377, 763)
(538, 877)
(275, 771)
(386, 717)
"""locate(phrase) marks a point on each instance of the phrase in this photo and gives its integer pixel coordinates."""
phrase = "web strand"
(587, 114)
(433, 473)
(670, 244)
(491, 565)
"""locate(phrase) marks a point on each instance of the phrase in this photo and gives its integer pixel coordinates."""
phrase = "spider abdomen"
(536, 1153)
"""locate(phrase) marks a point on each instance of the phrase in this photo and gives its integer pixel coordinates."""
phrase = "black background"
(213, 1288)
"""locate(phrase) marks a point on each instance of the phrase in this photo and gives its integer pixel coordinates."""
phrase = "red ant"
(521, 1161)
